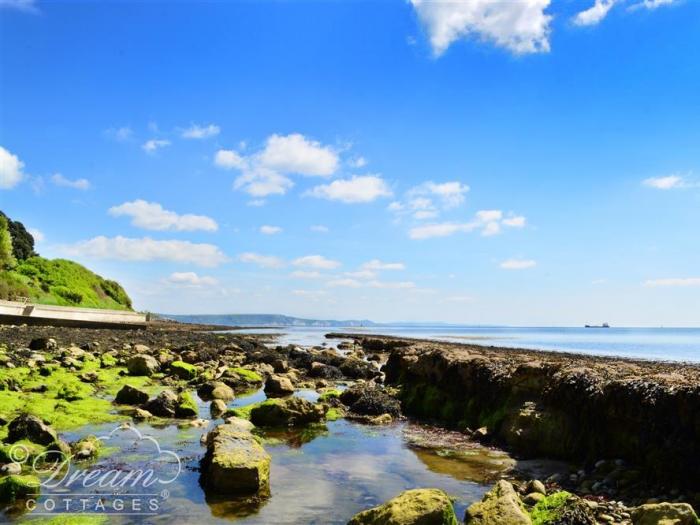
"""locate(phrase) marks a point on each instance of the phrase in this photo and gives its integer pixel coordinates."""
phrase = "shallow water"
(322, 476)
(672, 344)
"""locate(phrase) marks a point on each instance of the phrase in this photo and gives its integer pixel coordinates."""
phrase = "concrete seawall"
(35, 314)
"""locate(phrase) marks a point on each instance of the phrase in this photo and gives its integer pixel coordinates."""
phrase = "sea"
(664, 344)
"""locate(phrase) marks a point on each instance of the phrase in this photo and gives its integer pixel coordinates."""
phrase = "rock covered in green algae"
(215, 390)
(142, 365)
(88, 447)
(26, 426)
(561, 508)
(287, 412)
(186, 406)
(413, 507)
(235, 463)
(16, 487)
(128, 395)
(183, 370)
(664, 514)
(500, 506)
(164, 404)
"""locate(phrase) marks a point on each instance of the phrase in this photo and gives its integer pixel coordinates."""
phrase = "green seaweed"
(548, 509)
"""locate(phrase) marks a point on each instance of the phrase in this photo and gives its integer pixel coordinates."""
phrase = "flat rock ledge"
(235, 463)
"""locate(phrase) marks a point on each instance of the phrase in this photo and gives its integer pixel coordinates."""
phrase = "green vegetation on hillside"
(57, 282)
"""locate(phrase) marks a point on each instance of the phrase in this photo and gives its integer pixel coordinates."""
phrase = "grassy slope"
(61, 282)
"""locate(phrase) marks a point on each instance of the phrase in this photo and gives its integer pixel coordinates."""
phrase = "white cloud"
(77, 184)
(357, 162)
(354, 283)
(452, 193)
(296, 154)
(667, 183)
(319, 228)
(191, 279)
(422, 215)
(150, 146)
(652, 4)
(420, 201)
(301, 274)
(264, 261)
(270, 230)
(689, 281)
(229, 159)
(520, 26)
(200, 132)
(11, 167)
(362, 274)
(152, 216)
(594, 14)
(121, 134)
(146, 249)
(261, 182)
(358, 189)
(489, 222)
(37, 234)
(402, 285)
(518, 264)
(344, 283)
(316, 261)
(28, 6)
(376, 265)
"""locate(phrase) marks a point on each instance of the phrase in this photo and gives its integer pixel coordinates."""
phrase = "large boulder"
(370, 400)
(31, 428)
(164, 404)
(278, 386)
(142, 365)
(413, 507)
(235, 463)
(215, 390)
(499, 506)
(183, 370)
(129, 395)
(664, 514)
(287, 412)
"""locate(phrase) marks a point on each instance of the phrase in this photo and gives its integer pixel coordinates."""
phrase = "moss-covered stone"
(665, 514)
(87, 448)
(186, 406)
(413, 507)
(16, 487)
(183, 370)
(548, 509)
(286, 412)
(499, 506)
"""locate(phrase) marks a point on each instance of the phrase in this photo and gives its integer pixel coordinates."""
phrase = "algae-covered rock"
(499, 506)
(217, 408)
(278, 386)
(88, 447)
(186, 406)
(215, 390)
(183, 370)
(128, 395)
(163, 405)
(286, 412)
(370, 400)
(664, 514)
(561, 508)
(235, 463)
(142, 365)
(16, 487)
(413, 507)
(26, 426)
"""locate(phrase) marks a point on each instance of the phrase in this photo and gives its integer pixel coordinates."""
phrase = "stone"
(535, 485)
(129, 395)
(384, 419)
(86, 448)
(412, 507)
(235, 463)
(215, 390)
(31, 428)
(370, 400)
(499, 506)
(16, 487)
(533, 498)
(186, 406)
(287, 412)
(278, 386)
(140, 414)
(280, 366)
(142, 365)
(664, 514)
(241, 424)
(163, 405)
(217, 408)
(43, 343)
(11, 468)
(183, 370)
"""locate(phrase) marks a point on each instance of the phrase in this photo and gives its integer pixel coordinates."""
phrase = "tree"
(22, 240)
(7, 259)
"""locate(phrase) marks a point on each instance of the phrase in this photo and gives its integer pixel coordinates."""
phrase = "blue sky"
(527, 162)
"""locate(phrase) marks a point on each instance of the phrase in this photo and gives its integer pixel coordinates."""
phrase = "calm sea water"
(672, 344)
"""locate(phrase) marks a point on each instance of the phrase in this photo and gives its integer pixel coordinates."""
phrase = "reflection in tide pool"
(325, 476)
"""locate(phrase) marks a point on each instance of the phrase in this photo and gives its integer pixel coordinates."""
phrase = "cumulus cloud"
(270, 230)
(594, 14)
(652, 4)
(152, 216)
(344, 283)
(150, 146)
(196, 131)
(146, 249)
(488, 222)
(318, 262)
(358, 189)
(264, 261)
(77, 184)
(11, 168)
(518, 264)
(668, 182)
(428, 199)
(520, 26)
(377, 265)
(682, 282)
(266, 172)
(191, 279)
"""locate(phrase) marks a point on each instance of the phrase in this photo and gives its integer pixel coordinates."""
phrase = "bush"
(22, 240)
(11, 288)
(68, 295)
